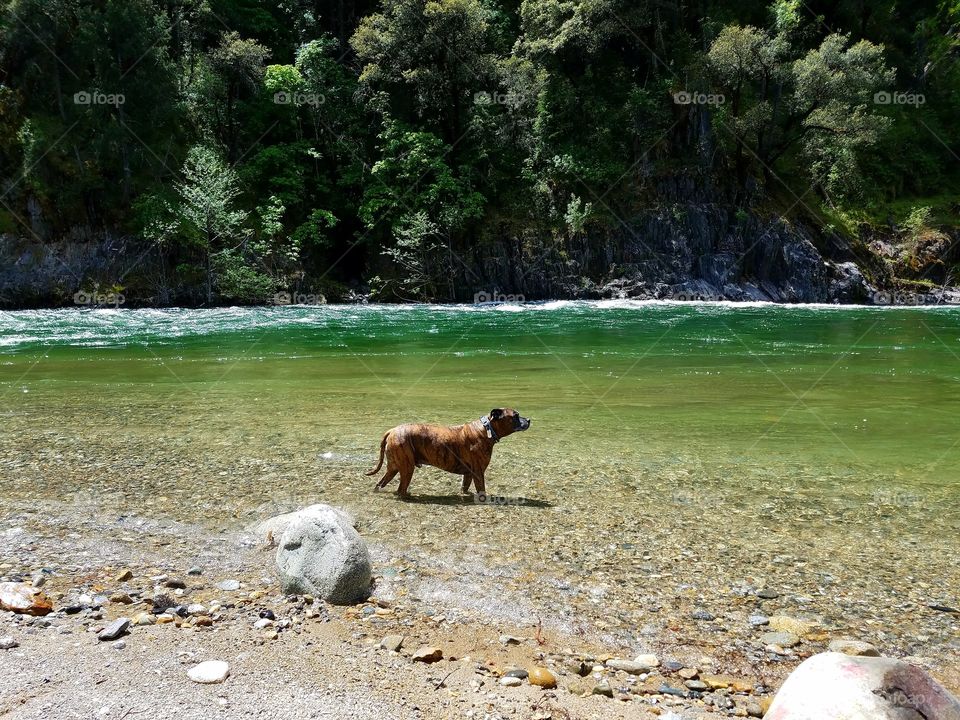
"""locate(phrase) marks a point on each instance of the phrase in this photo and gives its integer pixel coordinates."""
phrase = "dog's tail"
(383, 445)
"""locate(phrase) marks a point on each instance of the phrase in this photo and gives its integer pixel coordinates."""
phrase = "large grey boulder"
(321, 554)
(833, 686)
(270, 530)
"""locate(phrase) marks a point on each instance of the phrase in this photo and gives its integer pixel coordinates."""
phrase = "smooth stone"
(688, 673)
(758, 620)
(648, 660)
(627, 666)
(114, 630)
(853, 647)
(121, 599)
(196, 609)
(119, 645)
(229, 585)
(175, 584)
(209, 672)
(124, 576)
(427, 654)
(697, 685)
(392, 642)
(783, 639)
(262, 624)
(8, 643)
(672, 666)
(510, 640)
(703, 615)
(510, 681)
(194, 571)
(321, 554)
(517, 672)
(768, 594)
(602, 688)
(844, 687)
(541, 677)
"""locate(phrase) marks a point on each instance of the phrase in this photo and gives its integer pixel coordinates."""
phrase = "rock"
(758, 620)
(510, 640)
(321, 554)
(209, 672)
(768, 594)
(196, 609)
(262, 624)
(392, 642)
(688, 673)
(114, 630)
(427, 654)
(628, 666)
(602, 688)
(8, 643)
(121, 599)
(164, 618)
(541, 677)
(648, 660)
(24, 599)
(144, 619)
(124, 576)
(842, 687)
(754, 709)
(229, 585)
(783, 623)
(853, 647)
(175, 584)
(783, 639)
(702, 615)
(270, 530)
(194, 571)
(119, 645)
(510, 681)
(698, 685)
(517, 672)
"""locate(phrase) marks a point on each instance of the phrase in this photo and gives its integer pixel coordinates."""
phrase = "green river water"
(680, 454)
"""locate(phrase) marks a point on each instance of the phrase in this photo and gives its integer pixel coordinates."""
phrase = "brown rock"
(23, 598)
(541, 677)
(688, 673)
(124, 576)
(427, 654)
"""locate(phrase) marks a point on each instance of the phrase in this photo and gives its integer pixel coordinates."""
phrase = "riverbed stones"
(541, 677)
(8, 643)
(114, 630)
(24, 599)
(781, 639)
(853, 647)
(392, 643)
(843, 687)
(794, 626)
(209, 672)
(510, 681)
(427, 654)
(321, 554)
(640, 664)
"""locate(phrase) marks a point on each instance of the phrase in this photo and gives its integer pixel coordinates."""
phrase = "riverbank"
(290, 657)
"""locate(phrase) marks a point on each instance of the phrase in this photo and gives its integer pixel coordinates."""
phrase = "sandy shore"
(316, 661)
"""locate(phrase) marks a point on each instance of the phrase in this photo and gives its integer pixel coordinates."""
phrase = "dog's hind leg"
(465, 485)
(406, 475)
(389, 475)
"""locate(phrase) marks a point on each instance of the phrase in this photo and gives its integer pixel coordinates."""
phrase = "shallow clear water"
(677, 450)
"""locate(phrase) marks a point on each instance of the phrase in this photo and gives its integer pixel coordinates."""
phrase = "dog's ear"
(496, 413)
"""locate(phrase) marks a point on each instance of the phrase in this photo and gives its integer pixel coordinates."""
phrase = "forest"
(390, 150)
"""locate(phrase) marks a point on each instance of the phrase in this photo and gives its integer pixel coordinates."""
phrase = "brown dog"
(461, 449)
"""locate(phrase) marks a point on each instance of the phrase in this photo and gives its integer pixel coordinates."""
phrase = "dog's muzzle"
(523, 423)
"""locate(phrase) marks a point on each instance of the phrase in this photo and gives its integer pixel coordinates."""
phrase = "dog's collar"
(488, 426)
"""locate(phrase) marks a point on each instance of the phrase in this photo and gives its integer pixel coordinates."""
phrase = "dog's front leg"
(465, 485)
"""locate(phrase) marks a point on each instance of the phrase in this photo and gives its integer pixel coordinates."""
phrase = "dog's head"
(507, 420)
